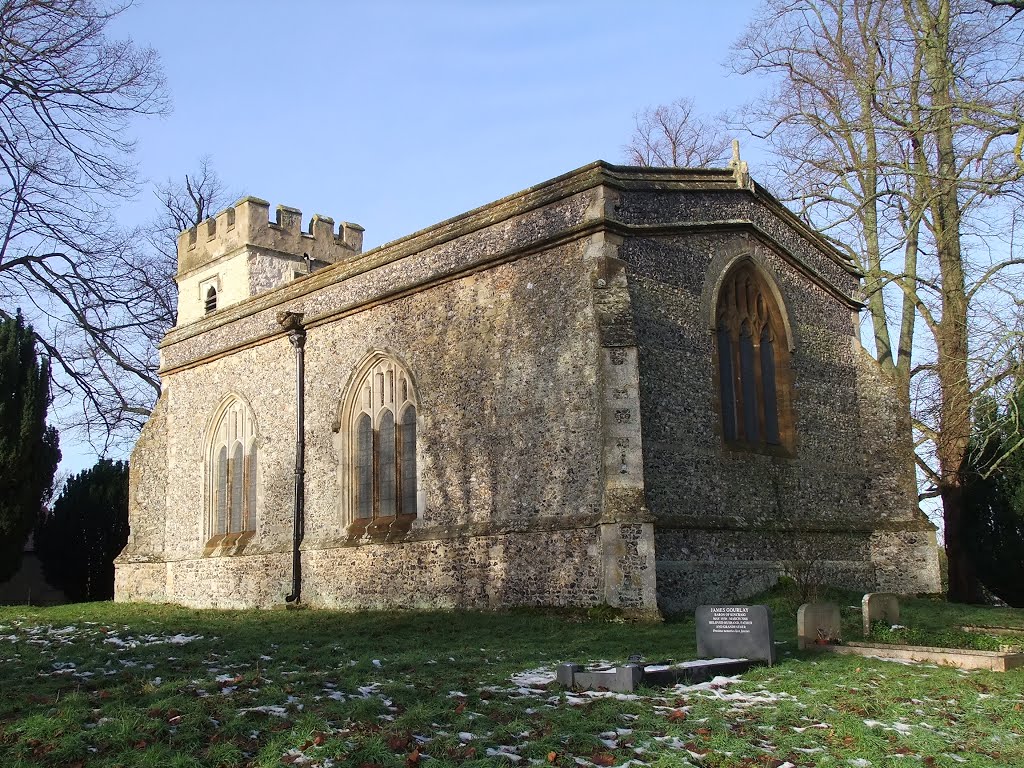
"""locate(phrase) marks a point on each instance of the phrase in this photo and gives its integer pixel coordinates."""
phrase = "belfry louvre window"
(753, 373)
(232, 470)
(210, 303)
(381, 438)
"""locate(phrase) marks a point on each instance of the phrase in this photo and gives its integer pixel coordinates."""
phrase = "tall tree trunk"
(951, 338)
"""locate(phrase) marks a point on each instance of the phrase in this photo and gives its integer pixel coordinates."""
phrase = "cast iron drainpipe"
(292, 322)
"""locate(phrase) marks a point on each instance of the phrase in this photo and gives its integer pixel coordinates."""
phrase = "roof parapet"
(247, 222)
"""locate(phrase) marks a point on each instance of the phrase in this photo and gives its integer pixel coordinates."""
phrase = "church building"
(640, 387)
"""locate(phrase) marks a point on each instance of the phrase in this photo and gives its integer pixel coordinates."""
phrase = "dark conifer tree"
(86, 529)
(994, 497)
(28, 447)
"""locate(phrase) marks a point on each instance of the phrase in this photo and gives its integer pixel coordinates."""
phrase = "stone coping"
(961, 658)
(981, 630)
(581, 180)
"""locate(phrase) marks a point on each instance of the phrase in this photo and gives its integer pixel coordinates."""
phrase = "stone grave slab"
(817, 624)
(629, 677)
(736, 632)
(879, 606)
(618, 679)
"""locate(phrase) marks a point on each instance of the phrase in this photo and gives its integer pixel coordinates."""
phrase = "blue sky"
(396, 115)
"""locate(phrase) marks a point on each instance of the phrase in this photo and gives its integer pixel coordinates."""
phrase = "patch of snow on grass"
(267, 709)
(532, 678)
(901, 728)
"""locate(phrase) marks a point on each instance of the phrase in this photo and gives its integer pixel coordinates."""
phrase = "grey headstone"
(879, 606)
(817, 623)
(736, 632)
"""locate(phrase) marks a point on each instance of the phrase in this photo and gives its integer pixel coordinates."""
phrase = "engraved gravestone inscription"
(736, 632)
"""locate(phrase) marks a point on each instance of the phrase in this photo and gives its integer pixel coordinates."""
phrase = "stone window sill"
(228, 544)
(380, 529)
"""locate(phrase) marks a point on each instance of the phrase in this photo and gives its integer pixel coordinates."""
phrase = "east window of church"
(379, 468)
(232, 471)
(753, 372)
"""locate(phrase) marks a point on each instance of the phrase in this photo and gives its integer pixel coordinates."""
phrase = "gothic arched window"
(753, 373)
(232, 470)
(211, 299)
(378, 427)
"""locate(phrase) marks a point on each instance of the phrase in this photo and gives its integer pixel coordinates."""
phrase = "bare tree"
(118, 352)
(1015, 5)
(674, 135)
(895, 123)
(68, 94)
(182, 205)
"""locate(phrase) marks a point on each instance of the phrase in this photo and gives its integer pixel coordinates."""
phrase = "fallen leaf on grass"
(602, 758)
(413, 759)
(398, 743)
(552, 756)
(676, 716)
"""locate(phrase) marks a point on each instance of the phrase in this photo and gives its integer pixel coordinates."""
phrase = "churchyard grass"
(133, 685)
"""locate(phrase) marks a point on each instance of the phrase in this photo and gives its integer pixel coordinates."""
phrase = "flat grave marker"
(736, 632)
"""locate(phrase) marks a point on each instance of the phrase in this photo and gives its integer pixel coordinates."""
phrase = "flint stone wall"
(726, 521)
(505, 365)
(568, 449)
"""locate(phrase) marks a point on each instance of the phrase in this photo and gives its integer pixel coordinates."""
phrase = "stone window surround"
(204, 288)
(222, 433)
(778, 320)
(356, 401)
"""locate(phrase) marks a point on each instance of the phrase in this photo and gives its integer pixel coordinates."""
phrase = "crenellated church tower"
(239, 253)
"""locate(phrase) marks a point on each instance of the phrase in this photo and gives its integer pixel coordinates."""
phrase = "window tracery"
(753, 374)
(232, 470)
(378, 426)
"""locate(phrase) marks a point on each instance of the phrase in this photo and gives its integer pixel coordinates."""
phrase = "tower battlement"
(247, 223)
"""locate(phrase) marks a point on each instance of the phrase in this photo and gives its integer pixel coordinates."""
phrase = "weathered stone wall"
(505, 366)
(726, 520)
(568, 451)
(147, 487)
